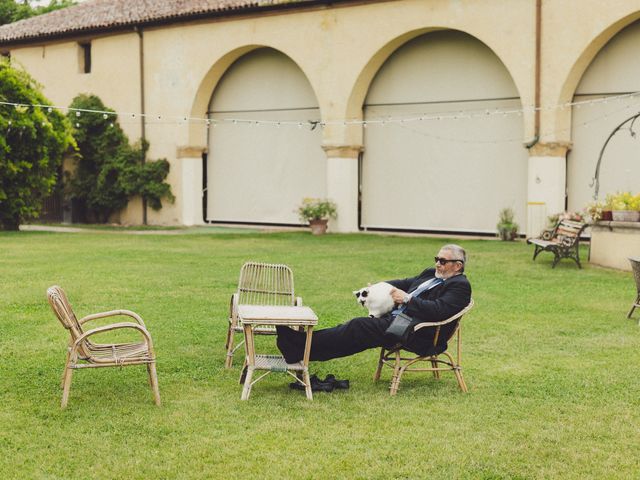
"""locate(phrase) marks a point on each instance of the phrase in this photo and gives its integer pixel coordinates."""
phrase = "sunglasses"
(444, 261)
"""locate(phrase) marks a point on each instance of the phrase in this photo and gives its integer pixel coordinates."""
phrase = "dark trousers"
(354, 336)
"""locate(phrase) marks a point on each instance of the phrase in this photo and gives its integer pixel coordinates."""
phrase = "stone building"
(423, 115)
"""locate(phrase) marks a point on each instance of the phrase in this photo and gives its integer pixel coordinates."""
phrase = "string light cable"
(313, 124)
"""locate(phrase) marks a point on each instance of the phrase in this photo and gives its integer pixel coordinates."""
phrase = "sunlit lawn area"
(551, 362)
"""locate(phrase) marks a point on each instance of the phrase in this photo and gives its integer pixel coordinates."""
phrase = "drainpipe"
(536, 120)
(143, 133)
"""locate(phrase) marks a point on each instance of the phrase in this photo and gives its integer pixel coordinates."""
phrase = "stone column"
(189, 160)
(342, 185)
(546, 186)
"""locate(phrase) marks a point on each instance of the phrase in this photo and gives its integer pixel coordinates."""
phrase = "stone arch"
(588, 54)
(208, 84)
(367, 74)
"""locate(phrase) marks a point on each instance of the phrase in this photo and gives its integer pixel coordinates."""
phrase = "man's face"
(447, 269)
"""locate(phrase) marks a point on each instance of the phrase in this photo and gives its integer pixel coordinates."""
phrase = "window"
(84, 57)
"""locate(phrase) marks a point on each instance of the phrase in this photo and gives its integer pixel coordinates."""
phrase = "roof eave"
(95, 31)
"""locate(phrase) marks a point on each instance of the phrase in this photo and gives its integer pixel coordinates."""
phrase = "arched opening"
(604, 99)
(264, 157)
(455, 169)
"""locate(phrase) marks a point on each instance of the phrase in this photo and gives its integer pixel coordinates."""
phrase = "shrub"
(108, 170)
(32, 145)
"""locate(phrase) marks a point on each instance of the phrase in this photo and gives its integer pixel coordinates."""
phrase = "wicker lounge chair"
(635, 267)
(84, 353)
(259, 284)
(402, 361)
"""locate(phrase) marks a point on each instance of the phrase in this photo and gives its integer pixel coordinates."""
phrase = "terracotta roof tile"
(98, 15)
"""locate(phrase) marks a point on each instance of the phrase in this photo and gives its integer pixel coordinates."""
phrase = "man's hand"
(398, 295)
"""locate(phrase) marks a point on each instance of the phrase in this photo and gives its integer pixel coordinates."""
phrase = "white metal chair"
(259, 284)
(402, 361)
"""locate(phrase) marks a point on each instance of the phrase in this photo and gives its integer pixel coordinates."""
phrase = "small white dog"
(376, 298)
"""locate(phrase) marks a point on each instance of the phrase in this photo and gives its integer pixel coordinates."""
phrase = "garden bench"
(563, 241)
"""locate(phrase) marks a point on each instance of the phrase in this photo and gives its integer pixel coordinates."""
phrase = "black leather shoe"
(316, 385)
(339, 384)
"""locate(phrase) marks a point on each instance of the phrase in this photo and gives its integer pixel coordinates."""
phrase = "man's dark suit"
(362, 333)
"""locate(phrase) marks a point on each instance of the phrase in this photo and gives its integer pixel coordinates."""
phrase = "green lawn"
(550, 360)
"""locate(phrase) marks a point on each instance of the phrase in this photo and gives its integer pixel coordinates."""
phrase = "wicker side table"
(291, 316)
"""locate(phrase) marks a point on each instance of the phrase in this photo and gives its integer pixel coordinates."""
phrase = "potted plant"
(595, 211)
(507, 227)
(625, 207)
(317, 212)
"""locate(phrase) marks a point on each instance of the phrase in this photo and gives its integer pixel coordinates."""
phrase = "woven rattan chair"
(259, 284)
(635, 267)
(84, 353)
(402, 361)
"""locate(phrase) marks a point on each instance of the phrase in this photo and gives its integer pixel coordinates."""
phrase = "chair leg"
(458, 371)
(246, 390)
(376, 376)
(434, 365)
(397, 373)
(633, 307)
(153, 379)
(228, 361)
(66, 386)
(66, 365)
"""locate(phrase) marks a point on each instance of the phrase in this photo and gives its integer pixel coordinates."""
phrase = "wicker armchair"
(259, 284)
(84, 353)
(402, 361)
(635, 267)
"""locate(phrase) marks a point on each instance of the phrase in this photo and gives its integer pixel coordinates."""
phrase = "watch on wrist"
(406, 298)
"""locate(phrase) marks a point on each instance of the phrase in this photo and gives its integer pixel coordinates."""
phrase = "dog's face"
(361, 295)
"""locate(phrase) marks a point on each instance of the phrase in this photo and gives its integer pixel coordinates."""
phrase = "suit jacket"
(434, 305)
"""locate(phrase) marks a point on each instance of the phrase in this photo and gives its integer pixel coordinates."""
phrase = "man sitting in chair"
(433, 296)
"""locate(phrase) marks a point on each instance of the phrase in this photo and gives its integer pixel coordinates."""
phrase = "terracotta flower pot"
(606, 216)
(318, 227)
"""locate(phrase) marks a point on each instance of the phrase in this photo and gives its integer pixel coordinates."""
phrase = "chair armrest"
(444, 322)
(112, 313)
(114, 326)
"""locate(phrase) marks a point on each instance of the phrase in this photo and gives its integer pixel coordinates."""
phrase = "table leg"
(246, 390)
(250, 361)
(305, 363)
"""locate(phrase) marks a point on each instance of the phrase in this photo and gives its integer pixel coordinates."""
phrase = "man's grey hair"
(458, 253)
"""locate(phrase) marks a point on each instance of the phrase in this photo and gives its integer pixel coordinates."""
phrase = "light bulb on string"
(49, 110)
(105, 116)
(77, 114)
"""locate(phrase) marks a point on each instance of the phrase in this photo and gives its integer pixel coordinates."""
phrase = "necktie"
(426, 285)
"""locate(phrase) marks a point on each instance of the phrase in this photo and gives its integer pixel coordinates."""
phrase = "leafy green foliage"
(109, 171)
(32, 145)
(12, 11)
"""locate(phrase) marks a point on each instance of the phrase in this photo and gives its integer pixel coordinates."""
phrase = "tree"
(109, 171)
(12, 10)
(33, 141)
